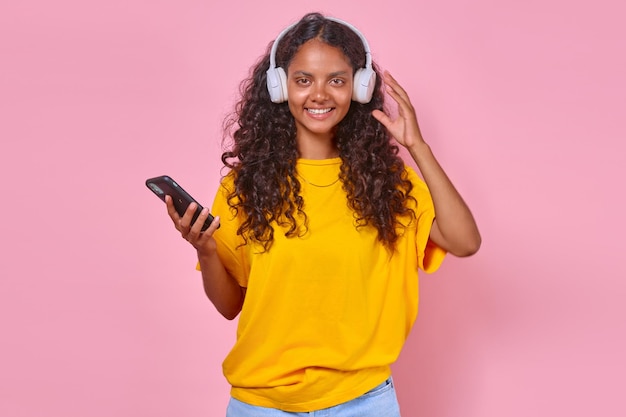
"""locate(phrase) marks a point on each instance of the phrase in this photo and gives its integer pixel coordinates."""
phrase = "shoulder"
(227, 183)
(419, 191)
(226, 189)
(412, 175)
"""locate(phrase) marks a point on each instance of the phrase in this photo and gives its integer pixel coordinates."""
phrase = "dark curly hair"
(263, 152)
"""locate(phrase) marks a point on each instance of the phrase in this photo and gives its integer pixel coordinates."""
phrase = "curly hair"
(263, 153)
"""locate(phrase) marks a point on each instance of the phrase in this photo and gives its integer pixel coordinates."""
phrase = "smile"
(319, 111)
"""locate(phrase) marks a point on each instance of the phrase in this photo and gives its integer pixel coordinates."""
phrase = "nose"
(319, 92)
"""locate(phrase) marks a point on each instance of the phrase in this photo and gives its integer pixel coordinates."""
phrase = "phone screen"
(165, 185)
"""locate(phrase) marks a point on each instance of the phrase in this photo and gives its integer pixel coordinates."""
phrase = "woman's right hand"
(192, 233)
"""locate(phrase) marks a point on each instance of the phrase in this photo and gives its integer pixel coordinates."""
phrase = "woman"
(323, 228)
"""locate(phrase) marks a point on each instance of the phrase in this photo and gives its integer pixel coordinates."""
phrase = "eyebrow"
(332, 74)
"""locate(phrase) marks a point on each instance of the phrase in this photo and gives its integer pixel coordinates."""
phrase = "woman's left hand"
(404, 128)
(454, 228)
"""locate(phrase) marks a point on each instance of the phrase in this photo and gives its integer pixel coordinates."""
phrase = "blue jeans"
(379, 402)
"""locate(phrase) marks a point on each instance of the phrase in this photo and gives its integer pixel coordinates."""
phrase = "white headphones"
(364, 78)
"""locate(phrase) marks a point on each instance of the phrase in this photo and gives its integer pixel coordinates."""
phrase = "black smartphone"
(165, 185)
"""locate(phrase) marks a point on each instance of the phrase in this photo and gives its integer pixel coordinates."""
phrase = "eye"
(303, 81)
(337, 81)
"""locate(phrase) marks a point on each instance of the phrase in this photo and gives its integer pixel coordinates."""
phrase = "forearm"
(223, 291)
(455, 228)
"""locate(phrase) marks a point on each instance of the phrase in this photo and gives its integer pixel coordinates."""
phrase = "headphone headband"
(364, 78)
(368, 54)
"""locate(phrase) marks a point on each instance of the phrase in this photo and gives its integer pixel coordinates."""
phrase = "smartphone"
(165, 185)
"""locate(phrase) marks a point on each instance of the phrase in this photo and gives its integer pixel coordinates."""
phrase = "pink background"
(102, 312)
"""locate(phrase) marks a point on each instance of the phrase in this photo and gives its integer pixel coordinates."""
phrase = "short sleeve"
(430, 256)
(230, 248)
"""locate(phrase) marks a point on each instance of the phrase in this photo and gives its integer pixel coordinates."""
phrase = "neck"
(317, 148)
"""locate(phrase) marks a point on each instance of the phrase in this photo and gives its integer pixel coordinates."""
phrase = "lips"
(319, 111)
(320, 114)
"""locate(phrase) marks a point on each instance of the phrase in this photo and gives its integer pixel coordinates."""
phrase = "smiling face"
(319, 90)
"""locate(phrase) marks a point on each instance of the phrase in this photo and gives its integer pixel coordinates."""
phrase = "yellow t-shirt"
(325, 313)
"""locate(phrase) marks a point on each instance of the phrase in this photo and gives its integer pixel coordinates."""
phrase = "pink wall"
(102, 312)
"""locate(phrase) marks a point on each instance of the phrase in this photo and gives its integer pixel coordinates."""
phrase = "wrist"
(419, 150)
(206, 252)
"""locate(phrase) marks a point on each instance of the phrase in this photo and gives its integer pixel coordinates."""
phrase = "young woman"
(323, 228)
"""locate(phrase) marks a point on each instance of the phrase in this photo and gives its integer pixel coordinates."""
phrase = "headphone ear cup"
(277, 84)
(364, 82)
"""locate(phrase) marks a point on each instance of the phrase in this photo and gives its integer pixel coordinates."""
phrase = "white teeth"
(318, 111)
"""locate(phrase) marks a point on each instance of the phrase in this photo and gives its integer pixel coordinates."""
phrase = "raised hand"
(404, 128)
